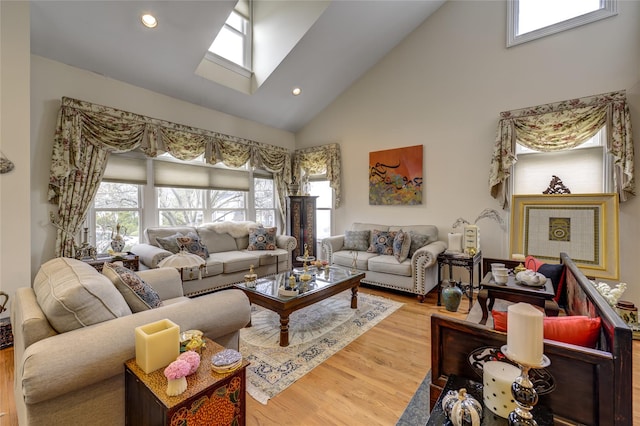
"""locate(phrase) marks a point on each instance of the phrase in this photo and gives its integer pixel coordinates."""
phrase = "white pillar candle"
(455, 242)
(157, 344)
(525, 334)
(518, 256)
(497, 378)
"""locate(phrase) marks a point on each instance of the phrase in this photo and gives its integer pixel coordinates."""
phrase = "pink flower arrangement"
(192, 358)
(177, 369)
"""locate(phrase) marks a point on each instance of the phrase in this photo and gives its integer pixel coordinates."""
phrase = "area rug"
(315, 333)
(417, 412)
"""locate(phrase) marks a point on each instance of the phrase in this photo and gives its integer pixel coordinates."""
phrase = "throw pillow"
(555, 272)
(576, 330)
(401, 246)
(170, 243)
(356, 240)
(139, 295)
(193, 245)
(382, 242)
(417, 241)
(262, 239)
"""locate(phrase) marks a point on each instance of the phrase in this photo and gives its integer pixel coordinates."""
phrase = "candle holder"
(523, 392)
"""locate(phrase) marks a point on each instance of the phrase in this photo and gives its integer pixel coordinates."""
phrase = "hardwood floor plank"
(370, 381)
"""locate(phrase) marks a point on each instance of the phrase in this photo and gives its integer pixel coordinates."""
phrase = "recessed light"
(149, 21)
(296, 91)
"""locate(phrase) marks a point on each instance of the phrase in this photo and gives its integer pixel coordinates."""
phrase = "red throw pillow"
(576, 330)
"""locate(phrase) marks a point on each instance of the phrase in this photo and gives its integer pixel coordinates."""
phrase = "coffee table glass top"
(268, 286)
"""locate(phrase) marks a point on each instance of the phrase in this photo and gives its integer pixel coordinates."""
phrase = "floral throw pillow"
(139, 295)
(193, 245)
(401, 246)
(356, 240)
(382, 242)
(262, 239)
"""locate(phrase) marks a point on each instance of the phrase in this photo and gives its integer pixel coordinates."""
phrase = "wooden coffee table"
(514, 292)
(324, 285)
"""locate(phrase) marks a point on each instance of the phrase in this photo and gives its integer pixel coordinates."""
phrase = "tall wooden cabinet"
(301, 224)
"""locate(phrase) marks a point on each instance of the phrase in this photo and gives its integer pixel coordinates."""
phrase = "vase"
(117, 242)
(451, 295)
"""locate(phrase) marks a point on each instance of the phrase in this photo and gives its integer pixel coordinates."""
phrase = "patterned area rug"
(417, 412)
(315, 333)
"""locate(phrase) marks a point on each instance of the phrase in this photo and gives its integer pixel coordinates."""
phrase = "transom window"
(532, 19)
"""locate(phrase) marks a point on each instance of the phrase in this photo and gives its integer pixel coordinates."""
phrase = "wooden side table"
(460, 260)
(129, 260)
(210, 399)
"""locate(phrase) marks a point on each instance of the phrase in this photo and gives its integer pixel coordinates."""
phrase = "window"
(532, 19)
(116, 203)
(265, 201)
(585, 169)
(324, 206)
(232, 46)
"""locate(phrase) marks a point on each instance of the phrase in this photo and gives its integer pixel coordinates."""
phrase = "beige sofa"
(229, 258)
(416, 274)
(68, 354)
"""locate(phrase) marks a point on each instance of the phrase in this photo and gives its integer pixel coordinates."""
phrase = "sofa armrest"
(430, 252)
(83, 357)
(150, 255)
(165, 281)
(332, 244)
(424, 258)
(286, 242)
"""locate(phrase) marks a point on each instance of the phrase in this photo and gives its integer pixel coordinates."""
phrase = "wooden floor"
(369, 382)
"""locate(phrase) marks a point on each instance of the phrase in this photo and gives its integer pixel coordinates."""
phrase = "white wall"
(15, 250)
(444, 87)
(50, 81)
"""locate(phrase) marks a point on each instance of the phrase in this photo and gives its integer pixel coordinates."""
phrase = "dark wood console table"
(463, 261)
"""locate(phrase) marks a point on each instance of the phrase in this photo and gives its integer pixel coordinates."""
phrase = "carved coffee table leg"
(354, 297)
(284, 330)
(482, 300)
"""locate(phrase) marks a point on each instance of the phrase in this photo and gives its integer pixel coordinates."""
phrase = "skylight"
(233, 42)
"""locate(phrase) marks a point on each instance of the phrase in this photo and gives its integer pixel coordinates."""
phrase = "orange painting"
(395, 176)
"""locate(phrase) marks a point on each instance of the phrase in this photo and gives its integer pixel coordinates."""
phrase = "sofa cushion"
(212, 267)
(576, 330)
(356, 240)
(271, 257)
(381, 242)
(345, 258)
(262, 238)
(72, 294)
(401, 245)
(139, 295)
(389, 265)
(170, 243)
(153, 233)
(235, 261)
(217, 242)
(193, 245)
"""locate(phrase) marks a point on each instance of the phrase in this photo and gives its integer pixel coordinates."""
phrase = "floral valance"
(324, 159)
(87, 133)
(564, 125)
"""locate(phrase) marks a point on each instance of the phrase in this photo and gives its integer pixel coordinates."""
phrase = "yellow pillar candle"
(525, 334)
(497, 378)
(518, 256)
(157, 345)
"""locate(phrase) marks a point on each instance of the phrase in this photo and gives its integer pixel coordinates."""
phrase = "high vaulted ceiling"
(106, 37)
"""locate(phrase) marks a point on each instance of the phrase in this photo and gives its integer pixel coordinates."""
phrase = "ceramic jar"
(627, 311)
(451, 295)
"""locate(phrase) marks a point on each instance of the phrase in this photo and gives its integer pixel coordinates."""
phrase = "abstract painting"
(395, 176)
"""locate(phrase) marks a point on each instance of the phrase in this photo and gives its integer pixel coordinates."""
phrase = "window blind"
(125, 169)
(176, 175)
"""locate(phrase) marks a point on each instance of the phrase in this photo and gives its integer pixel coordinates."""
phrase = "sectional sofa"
(411, 266)
(226, 249)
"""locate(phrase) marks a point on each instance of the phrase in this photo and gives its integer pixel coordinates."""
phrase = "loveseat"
(226, 248)
(73, 331)
(593, 386)
(398, 257)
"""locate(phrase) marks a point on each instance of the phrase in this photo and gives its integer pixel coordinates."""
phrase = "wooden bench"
(592, 386)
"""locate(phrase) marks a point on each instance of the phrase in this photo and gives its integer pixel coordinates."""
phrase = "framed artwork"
(395, 176)
(583, 226)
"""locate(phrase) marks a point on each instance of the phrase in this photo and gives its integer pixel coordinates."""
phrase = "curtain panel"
(87, 133)
(564, 125)
(318, 160)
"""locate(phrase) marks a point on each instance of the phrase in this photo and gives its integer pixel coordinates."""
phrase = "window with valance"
(564, 125)
(324, 159)
(86, 134)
